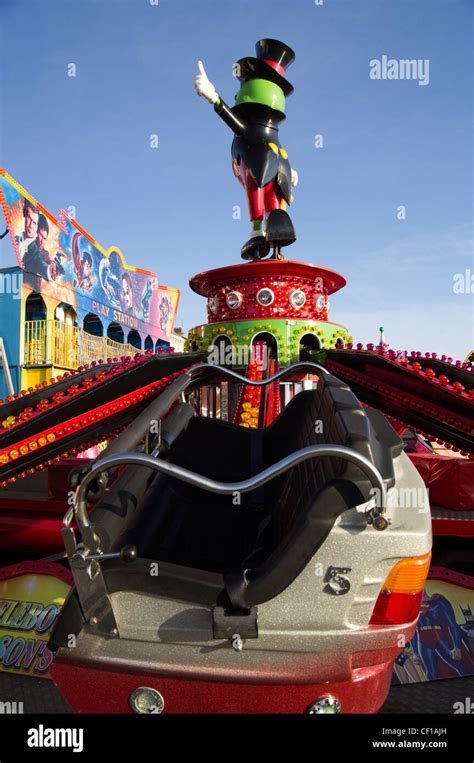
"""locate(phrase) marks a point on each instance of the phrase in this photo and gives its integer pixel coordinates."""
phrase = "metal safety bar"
(159, 407)
(282, 372)
(225, 488)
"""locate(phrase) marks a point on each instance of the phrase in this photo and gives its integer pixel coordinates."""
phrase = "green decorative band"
(287, 336)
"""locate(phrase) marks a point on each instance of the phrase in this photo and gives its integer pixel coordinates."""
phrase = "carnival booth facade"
(66, 302)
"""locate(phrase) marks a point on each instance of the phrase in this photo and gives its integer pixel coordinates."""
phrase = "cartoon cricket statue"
(258, 160)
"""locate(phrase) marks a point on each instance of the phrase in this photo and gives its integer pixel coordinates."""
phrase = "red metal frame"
(450, 576)
(455, 528)
(62, 430)
(36, 568)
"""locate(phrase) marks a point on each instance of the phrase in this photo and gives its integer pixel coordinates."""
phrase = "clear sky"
(85, 141)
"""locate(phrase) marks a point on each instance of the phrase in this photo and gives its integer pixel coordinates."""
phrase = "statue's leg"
(280, 231)
(256, 247)
(273, 198)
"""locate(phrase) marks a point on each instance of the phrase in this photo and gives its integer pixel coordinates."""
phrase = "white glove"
(203, 86)
(294, 178)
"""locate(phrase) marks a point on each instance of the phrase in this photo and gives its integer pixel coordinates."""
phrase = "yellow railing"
(57, 344)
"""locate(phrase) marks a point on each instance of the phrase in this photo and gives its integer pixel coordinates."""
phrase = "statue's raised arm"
(206, 89)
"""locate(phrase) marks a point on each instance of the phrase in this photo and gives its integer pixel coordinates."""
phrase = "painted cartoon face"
(86, 269)
(127, 293)
(31, 223)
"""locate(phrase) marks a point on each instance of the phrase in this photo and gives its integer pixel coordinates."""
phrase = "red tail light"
(400, 599)
(396, 608)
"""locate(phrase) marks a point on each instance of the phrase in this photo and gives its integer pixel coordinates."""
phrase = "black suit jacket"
(256, 127)
(34, 261)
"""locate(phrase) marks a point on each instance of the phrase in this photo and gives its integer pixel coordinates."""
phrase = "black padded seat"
(274, 530)
(182, 524)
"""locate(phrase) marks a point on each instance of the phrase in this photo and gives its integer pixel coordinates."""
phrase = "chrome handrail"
(225, 488)
(277, 375)
(160, 406)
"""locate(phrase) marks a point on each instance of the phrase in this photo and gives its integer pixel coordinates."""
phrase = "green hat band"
(261, 91)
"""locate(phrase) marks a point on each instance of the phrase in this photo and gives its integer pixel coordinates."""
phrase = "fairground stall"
(65, 300)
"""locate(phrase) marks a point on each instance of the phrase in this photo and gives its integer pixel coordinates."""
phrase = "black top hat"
(273, 57)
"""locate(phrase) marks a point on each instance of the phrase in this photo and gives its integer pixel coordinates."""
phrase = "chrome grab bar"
(303, 365)
(277, 375)
(225, 488)
(159, 407)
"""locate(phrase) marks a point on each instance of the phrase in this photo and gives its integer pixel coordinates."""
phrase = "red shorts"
(260, 201)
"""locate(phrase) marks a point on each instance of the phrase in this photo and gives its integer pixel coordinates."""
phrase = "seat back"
(305, 502)
(330, 414)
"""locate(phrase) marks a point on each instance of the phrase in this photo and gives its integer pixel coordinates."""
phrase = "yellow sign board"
(31, 597)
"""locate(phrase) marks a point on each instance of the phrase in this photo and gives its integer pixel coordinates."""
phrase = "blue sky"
(84, 141)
